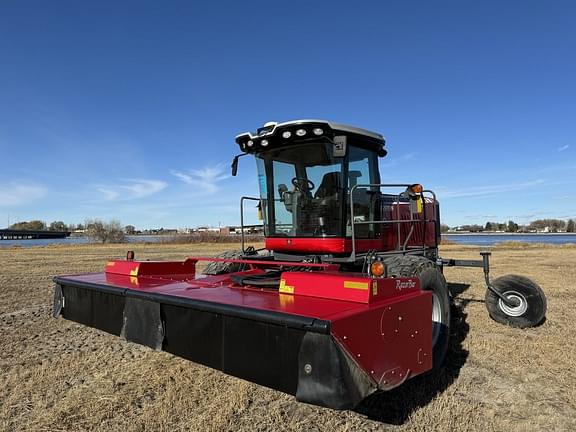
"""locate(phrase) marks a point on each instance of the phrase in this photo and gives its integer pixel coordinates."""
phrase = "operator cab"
(306, 170)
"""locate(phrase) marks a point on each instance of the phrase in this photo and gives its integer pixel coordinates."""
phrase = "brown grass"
(56, 375)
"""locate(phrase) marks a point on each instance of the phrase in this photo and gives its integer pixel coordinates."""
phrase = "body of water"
(76, 240)
(469, 239)
(491, 239)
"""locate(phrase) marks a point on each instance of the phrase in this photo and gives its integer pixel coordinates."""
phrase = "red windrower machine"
(347, 297)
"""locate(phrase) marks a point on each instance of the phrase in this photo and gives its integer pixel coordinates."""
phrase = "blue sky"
(128, 109)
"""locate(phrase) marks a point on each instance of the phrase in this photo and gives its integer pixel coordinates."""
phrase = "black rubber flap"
(260, 352)
(327, 376)
(142, 323)
(98, 309)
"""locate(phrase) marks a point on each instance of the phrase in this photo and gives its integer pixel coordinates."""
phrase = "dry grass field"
(56, 375)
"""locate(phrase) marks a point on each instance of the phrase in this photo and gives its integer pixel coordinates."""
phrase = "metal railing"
(396, 221)
(396, 199)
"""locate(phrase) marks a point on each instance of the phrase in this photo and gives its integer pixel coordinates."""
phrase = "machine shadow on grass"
(395, 406)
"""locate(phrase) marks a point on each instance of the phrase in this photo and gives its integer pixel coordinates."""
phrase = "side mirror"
(234, 166)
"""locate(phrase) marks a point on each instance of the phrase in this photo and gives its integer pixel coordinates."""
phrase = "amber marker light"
(377, 268)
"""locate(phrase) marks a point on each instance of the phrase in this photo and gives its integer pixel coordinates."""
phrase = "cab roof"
(274, 135)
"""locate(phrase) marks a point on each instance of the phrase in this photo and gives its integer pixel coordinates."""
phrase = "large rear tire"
(529, 308)
(431, 279)
(219, 267)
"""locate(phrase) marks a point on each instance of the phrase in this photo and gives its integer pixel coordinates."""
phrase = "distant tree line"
(550, 225)
(38, 225)
(95, 229)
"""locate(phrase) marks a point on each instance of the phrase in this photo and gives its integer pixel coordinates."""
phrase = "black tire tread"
(533, 293)
(407, 265)
(217, 267)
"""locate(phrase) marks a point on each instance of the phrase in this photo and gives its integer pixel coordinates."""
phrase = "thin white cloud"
(206, 179)
(564, 147)
(131, 189)
(15, 194)
(487, 190)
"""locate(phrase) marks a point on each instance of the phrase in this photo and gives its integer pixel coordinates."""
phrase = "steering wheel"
(302, 184)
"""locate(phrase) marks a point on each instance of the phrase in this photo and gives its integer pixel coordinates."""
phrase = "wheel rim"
(436, 318)
(514, 311)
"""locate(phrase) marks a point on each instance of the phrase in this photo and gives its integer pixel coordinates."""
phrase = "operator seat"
(330, 185)
(323, 213)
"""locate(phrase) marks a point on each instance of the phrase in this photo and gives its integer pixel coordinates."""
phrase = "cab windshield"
(304, 189)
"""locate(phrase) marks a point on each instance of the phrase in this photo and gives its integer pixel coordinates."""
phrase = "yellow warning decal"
(374, 288)
(356, 285)
(287, 289)
(134, 272)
